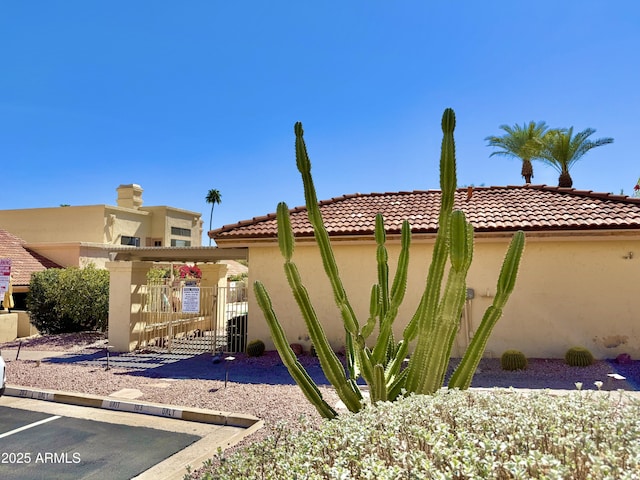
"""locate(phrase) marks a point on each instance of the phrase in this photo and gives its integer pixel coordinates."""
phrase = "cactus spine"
(435, 322)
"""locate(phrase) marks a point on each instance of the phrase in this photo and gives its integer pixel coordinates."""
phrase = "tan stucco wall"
(72, 236)
(61, 224)
(569, 292)
(100, 224)
(8, 326)
(73, 254)
(25, 329)
(164, 218)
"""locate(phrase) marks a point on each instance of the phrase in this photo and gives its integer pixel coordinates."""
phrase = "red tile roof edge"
(542, 187)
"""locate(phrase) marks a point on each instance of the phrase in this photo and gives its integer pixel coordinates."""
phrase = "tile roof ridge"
(586, 193)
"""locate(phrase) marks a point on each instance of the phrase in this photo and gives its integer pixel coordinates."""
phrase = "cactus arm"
(426, 314)
(320, 233)
(366, 362)
(447, 321)
(374, 311)
(398, 289)
(395, 365)
(382, 257)
(378, 390)
(296, 370)
(286, 240)
(399, 286)
(331, 365)
(463, 375)
(396, 386)
(324, 245)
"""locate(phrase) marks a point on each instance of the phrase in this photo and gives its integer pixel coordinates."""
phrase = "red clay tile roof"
(24, 262)
(490, 209)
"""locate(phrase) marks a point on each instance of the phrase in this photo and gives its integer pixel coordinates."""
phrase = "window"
(181, 232)
(135, 241)
(180, 243)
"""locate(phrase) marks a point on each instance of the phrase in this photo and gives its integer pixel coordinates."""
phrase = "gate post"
(125, 280)
(215, 275)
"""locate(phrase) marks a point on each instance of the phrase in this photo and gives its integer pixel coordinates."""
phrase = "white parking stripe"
(31, 425)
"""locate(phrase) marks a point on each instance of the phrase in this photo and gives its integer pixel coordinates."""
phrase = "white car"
(3, 375)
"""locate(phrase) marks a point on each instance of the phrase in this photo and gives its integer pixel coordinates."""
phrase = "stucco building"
(75, 235)
(578, 282)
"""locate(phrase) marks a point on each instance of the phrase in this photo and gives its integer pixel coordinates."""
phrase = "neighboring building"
(24, 262)
(578, 282)
(76, 235)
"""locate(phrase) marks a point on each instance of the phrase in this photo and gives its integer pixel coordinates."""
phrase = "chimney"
(129, 196)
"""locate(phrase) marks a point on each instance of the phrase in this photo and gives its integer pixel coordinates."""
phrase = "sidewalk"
(9, 354)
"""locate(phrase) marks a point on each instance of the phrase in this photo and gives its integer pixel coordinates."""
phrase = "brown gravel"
(274, 403)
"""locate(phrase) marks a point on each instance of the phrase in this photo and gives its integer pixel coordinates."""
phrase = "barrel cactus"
(578, 357)
(255, 348)
(513, 360)
(433, 327)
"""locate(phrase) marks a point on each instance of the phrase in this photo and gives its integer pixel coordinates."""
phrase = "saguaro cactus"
(433, 326)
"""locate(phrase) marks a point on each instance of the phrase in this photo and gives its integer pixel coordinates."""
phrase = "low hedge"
(455, 434)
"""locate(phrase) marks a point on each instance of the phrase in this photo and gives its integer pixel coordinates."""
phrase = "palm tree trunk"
(527, 170)
(565, 180)
(210, 222)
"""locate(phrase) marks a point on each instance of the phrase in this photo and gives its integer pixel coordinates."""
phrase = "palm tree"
(561, 149)
(213, 197)
(520, 142)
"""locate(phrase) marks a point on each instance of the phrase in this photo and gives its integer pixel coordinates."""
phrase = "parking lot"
(40, 439)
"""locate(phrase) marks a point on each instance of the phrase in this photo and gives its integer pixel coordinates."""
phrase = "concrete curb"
(138, 406)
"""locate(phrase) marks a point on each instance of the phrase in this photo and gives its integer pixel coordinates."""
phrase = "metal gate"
(187, 319)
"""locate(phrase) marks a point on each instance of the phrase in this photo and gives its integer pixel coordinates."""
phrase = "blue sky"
(182, 97)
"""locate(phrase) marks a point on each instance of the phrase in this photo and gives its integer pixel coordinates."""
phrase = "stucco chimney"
(129, 196)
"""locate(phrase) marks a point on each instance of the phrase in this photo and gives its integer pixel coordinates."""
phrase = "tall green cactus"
(433, 326)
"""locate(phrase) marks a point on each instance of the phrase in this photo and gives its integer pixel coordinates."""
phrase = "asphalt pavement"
(139, 439)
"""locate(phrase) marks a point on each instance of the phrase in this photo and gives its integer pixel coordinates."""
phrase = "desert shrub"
(69, 300)
(578, 357)
(513, 360)
(455, 434)
(157, 275)
(255, 348)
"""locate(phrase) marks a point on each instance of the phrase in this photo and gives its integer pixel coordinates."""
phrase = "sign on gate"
(5, 274)
(191, 300)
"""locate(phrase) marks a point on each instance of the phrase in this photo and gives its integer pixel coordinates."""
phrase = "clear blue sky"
(182, 97)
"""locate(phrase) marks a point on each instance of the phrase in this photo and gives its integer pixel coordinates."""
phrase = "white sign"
(5, 274)
(191, 300)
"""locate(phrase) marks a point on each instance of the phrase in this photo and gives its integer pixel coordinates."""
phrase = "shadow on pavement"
(269, 370)
(192, 366)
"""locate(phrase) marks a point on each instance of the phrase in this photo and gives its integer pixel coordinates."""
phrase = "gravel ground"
(257, 386)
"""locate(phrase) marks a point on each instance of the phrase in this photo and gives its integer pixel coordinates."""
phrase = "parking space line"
(31, 425)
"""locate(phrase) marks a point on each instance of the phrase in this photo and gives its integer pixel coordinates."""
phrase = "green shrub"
(255, 348)
(513, 360)
(454, 434)
(69, 300)
(578, 357)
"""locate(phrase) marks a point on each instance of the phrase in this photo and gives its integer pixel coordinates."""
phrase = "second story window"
(181, 232)
(180, 243)
(134, 241)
